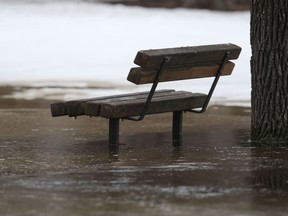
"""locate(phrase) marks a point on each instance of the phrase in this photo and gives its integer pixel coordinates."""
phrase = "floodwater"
(62, 166)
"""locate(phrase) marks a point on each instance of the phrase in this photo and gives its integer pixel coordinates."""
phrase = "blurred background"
(202, 4)
(69, 49)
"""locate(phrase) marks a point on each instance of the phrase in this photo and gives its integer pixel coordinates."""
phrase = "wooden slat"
(74, 107)
(77, 107)
(58, 109)
(143, 76)
(93, 108)
(61, 109)
(186, 55)
(174, 102)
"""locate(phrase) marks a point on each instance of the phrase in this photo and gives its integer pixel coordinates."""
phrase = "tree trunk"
(269, 69)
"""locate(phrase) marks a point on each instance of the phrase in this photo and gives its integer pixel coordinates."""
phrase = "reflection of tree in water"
(269, 165)
(271, 179)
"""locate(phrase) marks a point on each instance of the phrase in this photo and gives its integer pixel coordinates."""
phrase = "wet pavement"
(62, 166)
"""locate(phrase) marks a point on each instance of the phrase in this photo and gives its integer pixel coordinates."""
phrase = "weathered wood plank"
(92, 108)
(77, 108)
(174, 102)
(186, 55)
(61, 109)
(143, 76)
(58, 109)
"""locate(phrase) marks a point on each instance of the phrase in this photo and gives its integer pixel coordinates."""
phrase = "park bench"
(158, 65)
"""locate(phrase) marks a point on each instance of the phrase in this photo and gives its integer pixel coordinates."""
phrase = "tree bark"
(269, 70)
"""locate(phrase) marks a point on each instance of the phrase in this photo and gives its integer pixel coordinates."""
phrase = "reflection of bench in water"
(158, 66)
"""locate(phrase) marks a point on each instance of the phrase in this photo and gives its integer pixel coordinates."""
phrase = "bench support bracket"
(218, 74)
(152, 91)
(177, 115)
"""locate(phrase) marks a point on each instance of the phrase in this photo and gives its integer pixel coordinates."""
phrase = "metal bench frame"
(177, 115)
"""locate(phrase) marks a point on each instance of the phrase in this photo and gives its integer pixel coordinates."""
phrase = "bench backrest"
(184, 63)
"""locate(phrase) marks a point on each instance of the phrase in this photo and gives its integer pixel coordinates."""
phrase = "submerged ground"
(62, 166)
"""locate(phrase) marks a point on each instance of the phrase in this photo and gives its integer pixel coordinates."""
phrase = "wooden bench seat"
(167, 102)
(160, 65)
(76, 108)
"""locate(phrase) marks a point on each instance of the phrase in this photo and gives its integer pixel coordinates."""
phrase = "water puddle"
(65, 167)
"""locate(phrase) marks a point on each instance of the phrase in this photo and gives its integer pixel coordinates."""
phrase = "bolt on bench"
(159, 65)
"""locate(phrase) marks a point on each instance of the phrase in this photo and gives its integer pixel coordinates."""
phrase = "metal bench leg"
(177, 128)
(113, 131)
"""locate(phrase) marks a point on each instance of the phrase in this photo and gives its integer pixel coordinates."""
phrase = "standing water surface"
(59, 166)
